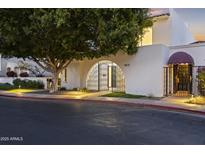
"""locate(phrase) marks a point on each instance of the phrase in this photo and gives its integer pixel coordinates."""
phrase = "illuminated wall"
(147, 38)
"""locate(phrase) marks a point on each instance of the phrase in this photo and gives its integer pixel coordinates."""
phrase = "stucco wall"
(180, 33)
(161, 30)
(73, 76)
(171, 30)
(143, 71)
(196, 51)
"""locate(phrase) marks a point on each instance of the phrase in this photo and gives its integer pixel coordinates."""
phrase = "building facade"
(167, 63)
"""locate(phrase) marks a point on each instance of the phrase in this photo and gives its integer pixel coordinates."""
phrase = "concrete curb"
(155, 106)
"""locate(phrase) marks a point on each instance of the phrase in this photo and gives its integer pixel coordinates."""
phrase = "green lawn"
(123, 95)
(6, 86)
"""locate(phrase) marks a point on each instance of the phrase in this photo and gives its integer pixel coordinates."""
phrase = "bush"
(84, 90)
(28, 84)
(63, 89)
(75, 89)
(24, 74)
(201, 82)
(11, 74)
(6, 86)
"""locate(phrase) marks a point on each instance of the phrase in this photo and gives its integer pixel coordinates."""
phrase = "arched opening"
(179, 74)
(105, 75)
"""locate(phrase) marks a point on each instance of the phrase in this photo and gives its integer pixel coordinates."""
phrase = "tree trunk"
(54, 87)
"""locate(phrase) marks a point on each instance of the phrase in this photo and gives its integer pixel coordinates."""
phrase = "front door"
(183, 78)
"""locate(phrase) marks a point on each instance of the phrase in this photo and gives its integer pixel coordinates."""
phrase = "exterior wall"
(73, 76)
(10, 80)
(147, 38)
(161, 30)
(180, 33)
(197, 51)
(171, 30)
(143, 71)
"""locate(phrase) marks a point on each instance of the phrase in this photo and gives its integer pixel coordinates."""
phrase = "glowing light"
(18, 91)
(196, 100)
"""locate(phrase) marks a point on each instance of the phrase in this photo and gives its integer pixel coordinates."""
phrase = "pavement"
(168, 103)
(63, 122)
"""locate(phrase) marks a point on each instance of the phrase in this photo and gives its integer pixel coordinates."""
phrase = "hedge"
(28, 84)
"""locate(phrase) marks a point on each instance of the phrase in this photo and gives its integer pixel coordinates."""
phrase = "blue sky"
(195, 18)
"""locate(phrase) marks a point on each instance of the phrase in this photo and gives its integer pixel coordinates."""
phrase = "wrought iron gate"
(183, 79)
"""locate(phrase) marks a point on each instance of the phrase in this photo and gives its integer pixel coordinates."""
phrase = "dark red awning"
(180, 57)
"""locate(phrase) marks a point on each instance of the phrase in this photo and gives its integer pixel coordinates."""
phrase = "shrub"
(11, 74)
(28, 84)
(40, 75)
(84, 90)
(75, 89)
(201, 82)
(63, 89)
(24, 74)
(6, 86)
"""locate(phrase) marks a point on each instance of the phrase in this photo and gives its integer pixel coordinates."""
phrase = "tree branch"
(41, 65)
(67, 63)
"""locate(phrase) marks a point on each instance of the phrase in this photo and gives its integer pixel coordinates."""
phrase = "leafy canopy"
(54, 37)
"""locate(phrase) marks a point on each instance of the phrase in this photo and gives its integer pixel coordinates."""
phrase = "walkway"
(175, 103)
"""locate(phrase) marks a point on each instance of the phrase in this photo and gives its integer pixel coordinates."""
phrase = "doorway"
(182, 78)
(105, 75)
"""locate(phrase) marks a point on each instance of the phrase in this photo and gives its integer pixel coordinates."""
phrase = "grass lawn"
(123, 95)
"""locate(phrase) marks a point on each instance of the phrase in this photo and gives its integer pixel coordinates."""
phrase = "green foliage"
(6, 86)
(24, 74)
(63, 88)
(28, 84)
(201, 81)
(11, 74)
(62, 34)
(75, 89)
(53, 38)
(83, 89)
(201, 78)
(123, 95)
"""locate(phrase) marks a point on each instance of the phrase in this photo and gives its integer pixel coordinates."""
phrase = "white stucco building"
(166, 63)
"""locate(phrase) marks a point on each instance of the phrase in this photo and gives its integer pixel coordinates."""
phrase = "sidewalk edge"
(169, 108)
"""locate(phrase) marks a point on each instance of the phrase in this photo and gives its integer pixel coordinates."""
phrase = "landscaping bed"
(6, 86)
(199, 100)
(132, 96)
(24, 84)
(123, 95)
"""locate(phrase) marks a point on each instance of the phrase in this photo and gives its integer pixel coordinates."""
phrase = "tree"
(201, 80)
(53, 38)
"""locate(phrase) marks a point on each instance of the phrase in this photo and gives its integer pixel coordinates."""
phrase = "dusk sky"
(195, 18)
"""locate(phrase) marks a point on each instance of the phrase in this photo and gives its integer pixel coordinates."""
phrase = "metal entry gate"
(105, 75)
(183, 80)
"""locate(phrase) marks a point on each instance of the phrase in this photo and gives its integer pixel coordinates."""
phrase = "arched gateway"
(105, 75)
(179, 74)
